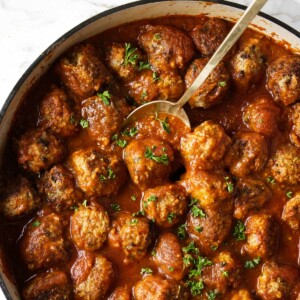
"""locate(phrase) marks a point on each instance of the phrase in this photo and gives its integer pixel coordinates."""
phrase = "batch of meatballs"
(156, 210)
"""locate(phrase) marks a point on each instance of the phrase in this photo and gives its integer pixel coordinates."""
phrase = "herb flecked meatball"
(38, 150)
(291, 212)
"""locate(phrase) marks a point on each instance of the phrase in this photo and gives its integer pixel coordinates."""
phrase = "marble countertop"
(29, 27)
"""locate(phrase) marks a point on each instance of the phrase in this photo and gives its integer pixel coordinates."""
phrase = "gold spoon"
(168, 107)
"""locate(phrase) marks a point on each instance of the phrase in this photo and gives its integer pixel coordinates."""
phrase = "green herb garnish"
(197, 212)
(36, 223)
(181, 232)
(163, 159)
(115, 206)
(250, 264)
(130, 57)
(239, 231)
(105, 96)
(84, 123)
(144, 66)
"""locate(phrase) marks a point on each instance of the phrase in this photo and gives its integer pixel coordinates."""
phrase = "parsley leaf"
(222, 83)
(144, 66)
(239, 231)
(115, 206)
(155, 76)
(36, 223)
(121, 143)
(130, 132)
(146, 271)
(271, 180)
(84, 203)
(196, 287)
(130, 57)
(191, 248)
(211, 295)
(197, 212)
(250, 264)
(289, 194)
(133, 221)
(200, 262)
(181, 232)
(229, 184)
(171, 217)
(105, 96)
(133, 198)
(84, 123)
(163, 159)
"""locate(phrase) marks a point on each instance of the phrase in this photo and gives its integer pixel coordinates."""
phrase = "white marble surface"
(29, 27)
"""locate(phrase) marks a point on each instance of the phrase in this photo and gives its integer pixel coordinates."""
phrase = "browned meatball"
(81, 71)
(241, 295)
(165, 204)
(148, 161)
(291, 212)
(168, 256)
(120, 293)
(155, 288)
(167, 47)
(92, 275)
(38, 150)
(51, 286)
(262, 236)
(285, 164)
(209, 35)
(276, 281)
(251, 194)
(262, 116)
(103, 117)
(96, 172)
(123, 59)
(43, 244)
(225, 272)
(19, 198)
(294, 120)
(56, 113)
(210, 229)
(215, 87)
(132, 235)
(283, 79)
(247, 65)
(211, 190)
(205, 147)
(58, 185)
(89, 227)
(248, 154)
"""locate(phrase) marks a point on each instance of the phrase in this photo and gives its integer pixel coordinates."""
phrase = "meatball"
(248, 154)
(285, 164)
(102, 116)
(248, 64)
(251, 194)
(19, 198)
(262, 236)
(294, 120)
(89, 227)
(168, 256)
(262, 116)
(120, 293)
(165, 204)
(276, 281)
(132, 235)
(55, 113)
(167, 47)
(58, 186)
(43, 244)
(291, 212)
(241, 295)
(283, 79)
(82, 72)
(51, 286)
(210, 229)
(97, 173)
(92, 275)
(205, 147)
(210, 35)
(38, 150)
(215, 87)
(211, 190)
(226, 271)
(155, 288)
(123, 59)
(148, 162)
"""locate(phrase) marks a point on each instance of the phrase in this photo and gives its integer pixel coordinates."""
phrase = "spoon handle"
(228, 42)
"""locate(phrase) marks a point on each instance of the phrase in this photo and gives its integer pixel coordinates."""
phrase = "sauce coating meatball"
(241, 295)
(249, 153)
(82, 72)
(43, 244)
(247, 65)
(58, 186)
(89, 227)
(96, 172)
(38, 150)
(19, 198)
(262, 116)
(92, 275)
(285, 164)
(294, 122)
(205, 147)
(210, 229)
(283, 79)
(215, 87)
(291, 212)
(209, 35)
(51, 286)
(148, 162)
(165, 204)
(132, 235)
(120, 293)
(168, 256)
(262, 236)
(55, 113)
(167, 47)
(251, 194)
(276, 281)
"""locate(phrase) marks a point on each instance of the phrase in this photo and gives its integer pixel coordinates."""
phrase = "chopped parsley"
(133, 198)
(197, 212)
(222, 83)
(181, 232)
(105, 96)
(110, 175)
(130, 132)
(157, 36)
(171, 269)
(133, 221)
(250, 264)
(72, 119)
(196, 287)
(171, 217)
(114, 137)
(153, 253)
(155, 76)
(239, 231)
(152, 198)
(191, 248)
(139, 213)
(163, 159)
(146, 271)
(199, 228)
(164, 124)
(144, 66)
(84, 123)
(289, 194)
(121, 143)
(193, 201)
(36, 223)
(115, 206)
(229, 184)
(74, 207)
(188, 259)
(84, 203)
(271, 180)
(225, 273)
(130, 57)
(212, 295)
(199, 262)
(144, 95)
(214, 247)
